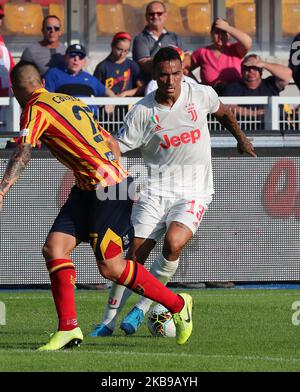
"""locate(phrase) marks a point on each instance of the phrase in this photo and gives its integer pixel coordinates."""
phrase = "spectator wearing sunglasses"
(153, 37)
(71, 79)
(253, 84)
(49, 52)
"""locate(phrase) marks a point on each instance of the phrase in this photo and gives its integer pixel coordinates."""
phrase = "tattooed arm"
(16, 165)
(227, 119)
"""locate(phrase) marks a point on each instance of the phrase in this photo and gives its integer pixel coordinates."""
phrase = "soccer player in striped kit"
(67, 127)
(169, 126)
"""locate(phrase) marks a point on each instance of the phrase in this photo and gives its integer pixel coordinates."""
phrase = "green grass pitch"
(234, 330)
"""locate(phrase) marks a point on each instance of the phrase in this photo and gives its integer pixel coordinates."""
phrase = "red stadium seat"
(290, 19)
(244, 17)
(186, 3)
(107, 1)
(112, 18)
(231, 3)
(46, 3)
(136, 3)
(58, 10)
(23, 18)
(199, 18)
(174, 22)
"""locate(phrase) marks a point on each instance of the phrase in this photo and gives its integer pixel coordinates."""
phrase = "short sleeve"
(99, 73)
(100, 88)
(197, 57)
(180, 43)
(136, 71)
(130, 135)
(270, 83)
(213, 100)
(33, 123)
(140, 49)
(27, 56)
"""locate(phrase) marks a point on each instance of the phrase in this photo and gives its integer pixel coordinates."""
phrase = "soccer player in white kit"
(169, 126)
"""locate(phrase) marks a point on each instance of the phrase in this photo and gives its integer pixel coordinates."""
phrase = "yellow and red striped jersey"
(67, 127)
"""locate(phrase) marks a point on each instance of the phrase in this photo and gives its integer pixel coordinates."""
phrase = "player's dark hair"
(16, 72)
(165, 54)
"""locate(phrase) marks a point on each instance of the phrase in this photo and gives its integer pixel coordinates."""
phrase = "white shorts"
(152, 215)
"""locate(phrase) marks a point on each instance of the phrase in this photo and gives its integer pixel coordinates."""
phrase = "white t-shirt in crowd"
(174, 142)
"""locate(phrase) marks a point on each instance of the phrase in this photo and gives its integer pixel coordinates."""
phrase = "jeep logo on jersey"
(184, 138)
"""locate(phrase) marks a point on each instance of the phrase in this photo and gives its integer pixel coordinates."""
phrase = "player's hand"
(246, 146)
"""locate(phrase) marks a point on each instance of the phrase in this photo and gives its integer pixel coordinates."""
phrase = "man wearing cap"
(71, 79)
(49, 52)
(153, 37)
(6, 63)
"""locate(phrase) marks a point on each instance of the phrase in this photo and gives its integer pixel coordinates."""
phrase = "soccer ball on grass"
(160, 322)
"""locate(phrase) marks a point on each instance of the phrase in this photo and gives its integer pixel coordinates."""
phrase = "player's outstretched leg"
(163, 270)
(183, 320)
(63, 339)
(137, 278)
(118, 296)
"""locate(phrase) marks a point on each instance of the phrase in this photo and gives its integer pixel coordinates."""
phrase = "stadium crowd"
(219, 63)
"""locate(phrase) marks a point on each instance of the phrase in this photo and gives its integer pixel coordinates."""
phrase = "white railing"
(256, 115)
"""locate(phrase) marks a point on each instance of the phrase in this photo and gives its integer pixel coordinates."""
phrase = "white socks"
(118, 297)
(161, 268)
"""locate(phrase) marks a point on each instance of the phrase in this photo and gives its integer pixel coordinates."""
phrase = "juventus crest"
(192, 111)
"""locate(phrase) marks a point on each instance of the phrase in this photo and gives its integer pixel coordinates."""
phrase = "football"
(160, 322)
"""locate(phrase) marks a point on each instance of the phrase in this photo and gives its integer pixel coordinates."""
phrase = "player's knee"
(172, 248)
(112, 269)
(46, 251)
(51, 251)
(107, 270)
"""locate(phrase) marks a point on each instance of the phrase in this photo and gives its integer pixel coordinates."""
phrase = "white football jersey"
(174, 142)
